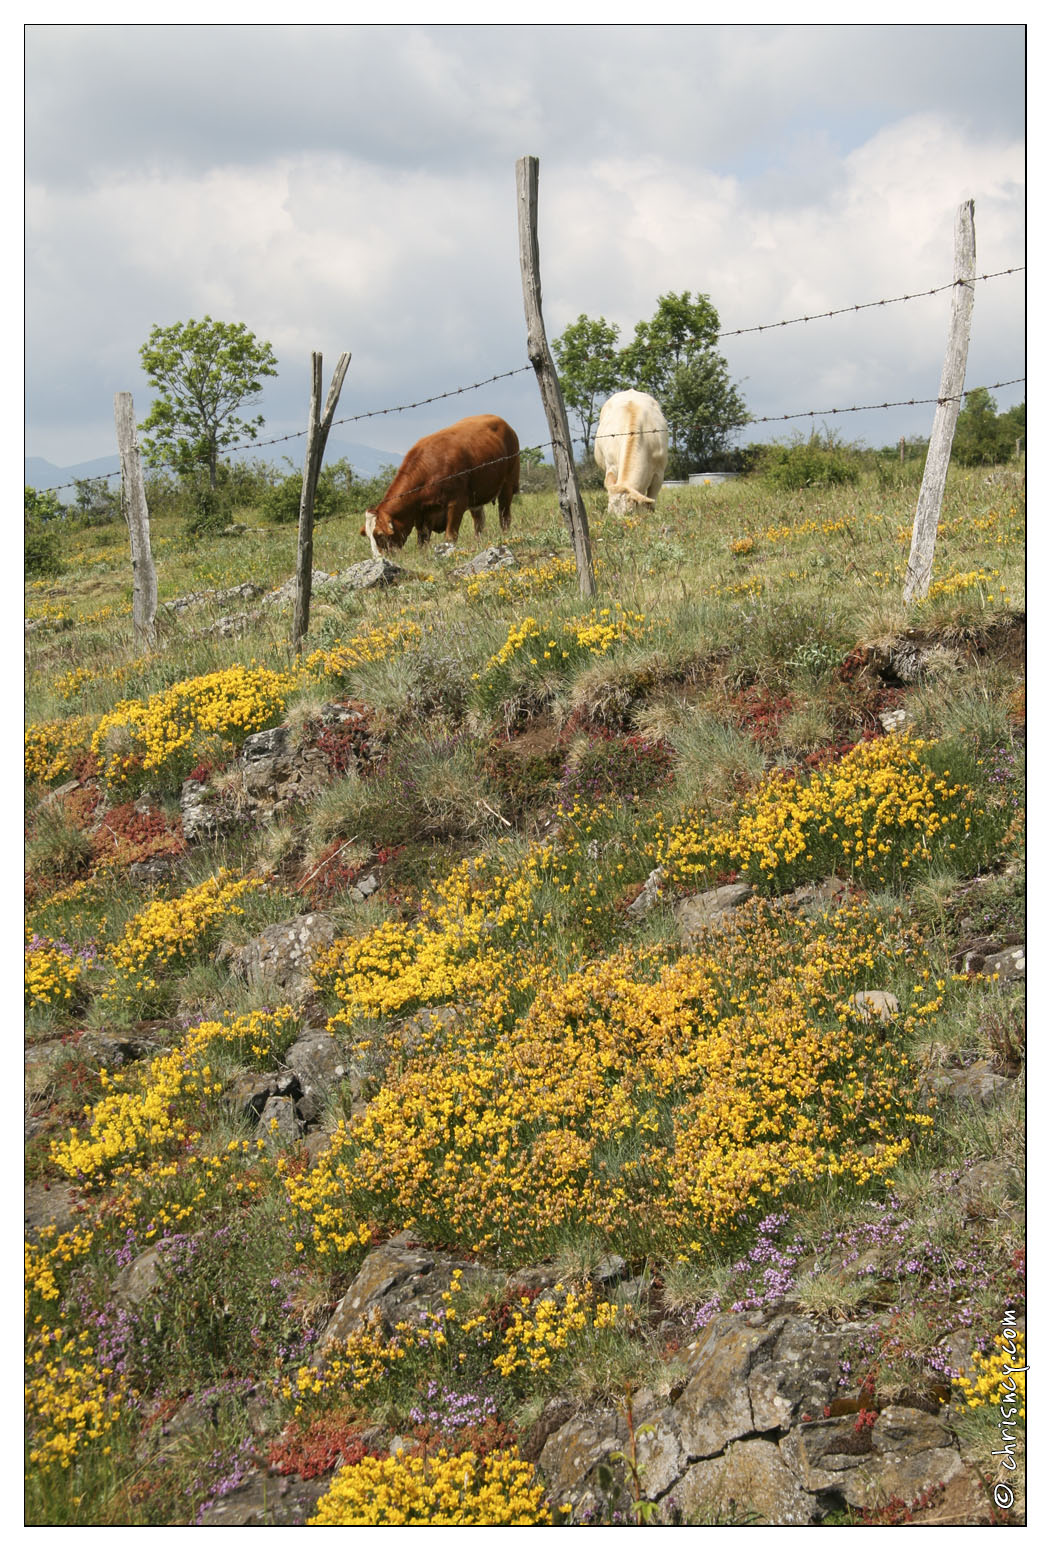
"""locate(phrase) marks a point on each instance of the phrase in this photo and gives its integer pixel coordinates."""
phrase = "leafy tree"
(41, 553)
(43, 505)
(96, 503)
(205, 372)
(983, 436)
(673, 357)
(589, 369)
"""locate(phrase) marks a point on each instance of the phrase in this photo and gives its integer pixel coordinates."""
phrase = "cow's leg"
(478, 514)
(504, 503)
(453, 518)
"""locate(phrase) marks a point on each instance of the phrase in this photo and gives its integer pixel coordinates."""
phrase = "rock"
(230, 625)
(112, 1051)
(896, 720)
(154, 871)
(495, 558)
(881, 1006)
(531, 1279)
(265, 1499)
(278, 1124)
(714, 1408)
(570, 1459)
(204, 817)
(555, 1414)
(651, 893)
(827, 893)
(801, 1374)
(280, 955)
(318, 1062)
(610, 1269)
(48, 1205)
(243, 591)
(136, 1281)
(750, 1483)
(977, 1084)
(248, 1094)
(700, 911)
(658, 1453)
(994, 1188)
(397, 1281)
(365, 888)
(370, 573)
(286, 593)
(41, 1065)
(1007, 964)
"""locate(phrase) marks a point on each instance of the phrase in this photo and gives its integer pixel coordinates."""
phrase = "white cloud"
(373, 208)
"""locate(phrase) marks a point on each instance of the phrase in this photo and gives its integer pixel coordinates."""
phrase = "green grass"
(750, 622)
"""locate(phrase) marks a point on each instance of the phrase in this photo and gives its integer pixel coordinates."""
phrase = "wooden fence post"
(954, 371)
(317, 435)
(136, 515)
(569, 497)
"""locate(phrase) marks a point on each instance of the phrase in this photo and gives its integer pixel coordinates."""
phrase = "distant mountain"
(42, 475)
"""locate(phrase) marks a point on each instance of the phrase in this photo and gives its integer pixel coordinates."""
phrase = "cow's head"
(381, 533)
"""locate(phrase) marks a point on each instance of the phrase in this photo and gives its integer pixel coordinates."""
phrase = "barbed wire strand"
(434, 398)
(887, 301)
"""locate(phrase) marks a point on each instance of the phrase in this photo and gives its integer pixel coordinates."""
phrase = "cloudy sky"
(352, 187)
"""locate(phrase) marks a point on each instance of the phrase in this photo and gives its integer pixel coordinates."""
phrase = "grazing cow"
(631, 448)
(444, 475)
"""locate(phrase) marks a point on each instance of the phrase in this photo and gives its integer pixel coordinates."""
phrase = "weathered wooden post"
(317, 435)
(901, 450)
(136, 515)
(569, 498)
(950, 394)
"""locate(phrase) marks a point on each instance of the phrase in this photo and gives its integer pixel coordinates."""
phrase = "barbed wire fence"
(755, 328)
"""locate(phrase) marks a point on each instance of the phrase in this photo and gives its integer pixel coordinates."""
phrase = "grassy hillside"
(709, 1108)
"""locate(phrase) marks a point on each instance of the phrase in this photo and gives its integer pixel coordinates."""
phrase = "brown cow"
(444, 475)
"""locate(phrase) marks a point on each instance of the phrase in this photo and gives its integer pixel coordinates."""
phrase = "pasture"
(746, 701)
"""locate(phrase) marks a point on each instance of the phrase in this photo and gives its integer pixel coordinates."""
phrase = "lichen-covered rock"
(495, 558)
(715, 1408)
(280, 955)
(397, 1281)
(711, 907)
(749, 1484)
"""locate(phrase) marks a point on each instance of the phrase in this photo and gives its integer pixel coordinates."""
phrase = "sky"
(351, 187)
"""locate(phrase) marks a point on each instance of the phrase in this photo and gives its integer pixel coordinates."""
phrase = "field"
(622, 1120)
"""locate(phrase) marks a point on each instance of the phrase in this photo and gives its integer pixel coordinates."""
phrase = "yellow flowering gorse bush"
(442, 1488)
(875, 813)
(167, 933)
(160, 736)
(157, 1110)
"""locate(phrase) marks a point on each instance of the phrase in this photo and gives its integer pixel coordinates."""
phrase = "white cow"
(631, 448)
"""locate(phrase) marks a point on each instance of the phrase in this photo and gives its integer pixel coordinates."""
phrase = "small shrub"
(815, 463)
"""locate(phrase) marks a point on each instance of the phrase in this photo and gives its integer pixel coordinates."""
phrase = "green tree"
(205, 373)
(673, 357)
(42, 553)
(589, 369)
(982, 435)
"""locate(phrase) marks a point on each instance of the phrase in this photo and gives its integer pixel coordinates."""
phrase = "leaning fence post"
(136, 515)
(950, 394)
(569, 497)
(317, 435)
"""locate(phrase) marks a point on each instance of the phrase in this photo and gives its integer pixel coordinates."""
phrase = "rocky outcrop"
(765, 1431)
(279, 770)
(398, 1281)
(280, 956)
(495, 558)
